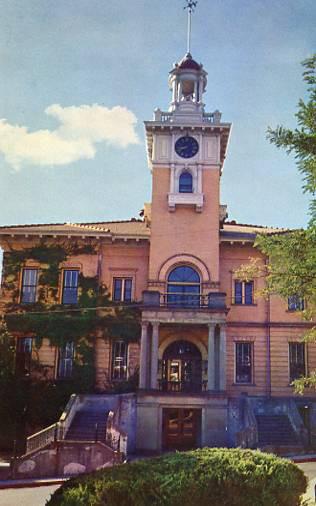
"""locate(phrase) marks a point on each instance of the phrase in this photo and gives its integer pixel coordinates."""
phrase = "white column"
(222, 357)
(143, 356)
(154, 356)
(199, 178)
(211, 357)
(172, 177)
(195, 92)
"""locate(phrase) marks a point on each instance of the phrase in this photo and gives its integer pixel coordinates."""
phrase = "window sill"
(244, 305)
(244, 384)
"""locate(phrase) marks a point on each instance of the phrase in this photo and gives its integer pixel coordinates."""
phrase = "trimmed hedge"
(206, 477)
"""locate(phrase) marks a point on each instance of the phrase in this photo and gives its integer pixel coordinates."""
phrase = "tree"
(291, 269)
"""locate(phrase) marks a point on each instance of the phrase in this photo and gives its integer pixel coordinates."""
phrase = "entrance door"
(181, 428)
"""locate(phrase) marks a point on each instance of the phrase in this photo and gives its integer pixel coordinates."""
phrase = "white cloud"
(81, 129)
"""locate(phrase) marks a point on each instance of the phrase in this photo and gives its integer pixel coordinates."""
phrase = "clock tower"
(186, 148)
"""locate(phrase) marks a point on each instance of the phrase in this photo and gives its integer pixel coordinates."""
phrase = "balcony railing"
(182, 386)
(213, 300)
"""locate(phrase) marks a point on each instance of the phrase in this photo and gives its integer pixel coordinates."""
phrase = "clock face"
(186, 147)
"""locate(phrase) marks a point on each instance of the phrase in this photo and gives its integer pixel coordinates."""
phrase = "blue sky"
(79, 77)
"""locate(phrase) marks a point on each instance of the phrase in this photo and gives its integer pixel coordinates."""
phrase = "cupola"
(187, 80)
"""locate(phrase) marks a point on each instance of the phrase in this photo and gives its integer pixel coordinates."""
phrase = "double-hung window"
(295, 303)
(29, 285)
(23, 356)
(297, 360)
(65, 360)
(243, 292)
(122, 289)
(243, 366)
(119, 360)
(70, 286)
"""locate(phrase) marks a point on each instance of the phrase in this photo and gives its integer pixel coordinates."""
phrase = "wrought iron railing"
(182, 386)
(193, 300)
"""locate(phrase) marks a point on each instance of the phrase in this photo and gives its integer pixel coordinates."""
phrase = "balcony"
(188, 387)
(212, 301)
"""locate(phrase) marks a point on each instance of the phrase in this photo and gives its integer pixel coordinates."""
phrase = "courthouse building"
(215, 360)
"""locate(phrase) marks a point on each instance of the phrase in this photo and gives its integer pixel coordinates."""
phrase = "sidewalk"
(32, 482)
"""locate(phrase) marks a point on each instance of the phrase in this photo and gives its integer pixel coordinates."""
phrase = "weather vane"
(190, 6)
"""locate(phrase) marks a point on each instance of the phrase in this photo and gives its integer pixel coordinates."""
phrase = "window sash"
(243, 292)
(185, 183)
(122, 289)
(297, 362)
(119, 360)
(24, 355)
(29, 286)
(243, 360)
(296, 303)
(70, 286)
(65, 362)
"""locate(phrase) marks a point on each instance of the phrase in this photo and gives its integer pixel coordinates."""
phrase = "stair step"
(88, 426)
(275, 430)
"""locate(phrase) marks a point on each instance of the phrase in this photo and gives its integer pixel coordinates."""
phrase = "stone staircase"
(88, 425)
(276, 430)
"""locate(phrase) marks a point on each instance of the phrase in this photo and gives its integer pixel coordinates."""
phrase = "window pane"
(238, 292)
(185, 183)
(23, 355)
(70, 287)
(66, 354)
(117, 289)
(295, 303)
(128, 290)
(29, 286)
(119, 360)
(243, 362)
(249, 292)
(297, 360)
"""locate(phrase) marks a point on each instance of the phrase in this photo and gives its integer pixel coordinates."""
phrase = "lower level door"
(181, 428)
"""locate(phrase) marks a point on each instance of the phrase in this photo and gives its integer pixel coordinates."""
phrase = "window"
(70, 286)
(297, 360)
(183, 287)
(23, 355)
(243, 292)
(65, 360)
(295, 303)
(29, 286)
(122, 289)
(119, 360)
(244, 362)
(185, 183)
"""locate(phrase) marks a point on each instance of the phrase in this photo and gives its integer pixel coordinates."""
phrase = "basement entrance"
(181, 428)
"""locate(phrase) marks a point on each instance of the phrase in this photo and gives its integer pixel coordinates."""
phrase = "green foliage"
(208, 476)
(291, 267)
(7, 353)
(302, 140)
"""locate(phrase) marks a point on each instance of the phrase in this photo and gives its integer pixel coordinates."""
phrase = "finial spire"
(190, 6)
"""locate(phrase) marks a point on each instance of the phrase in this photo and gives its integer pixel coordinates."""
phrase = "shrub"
(210, 476)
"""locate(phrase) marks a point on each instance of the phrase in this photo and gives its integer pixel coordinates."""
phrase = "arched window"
(183, 287)
(185, 182)
(181, 368)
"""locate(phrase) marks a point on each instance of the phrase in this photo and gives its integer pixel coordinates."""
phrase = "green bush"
(210, 476)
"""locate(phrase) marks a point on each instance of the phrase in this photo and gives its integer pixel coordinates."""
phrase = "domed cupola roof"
(187, 62)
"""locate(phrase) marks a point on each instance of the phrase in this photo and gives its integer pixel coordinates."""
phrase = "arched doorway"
(183, 287)
(181, 368)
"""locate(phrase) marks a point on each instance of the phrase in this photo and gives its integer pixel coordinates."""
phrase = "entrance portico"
(204, 332)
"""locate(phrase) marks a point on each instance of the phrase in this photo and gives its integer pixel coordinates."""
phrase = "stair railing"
(248, 436)
(42, 438)
(297, 423)
(67, 416)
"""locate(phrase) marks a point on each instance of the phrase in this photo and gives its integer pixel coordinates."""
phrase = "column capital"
(211, 325)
